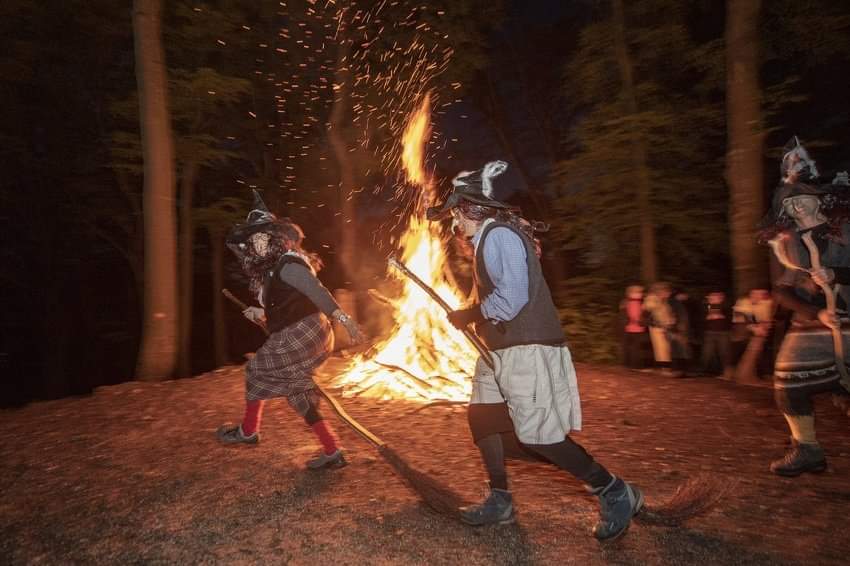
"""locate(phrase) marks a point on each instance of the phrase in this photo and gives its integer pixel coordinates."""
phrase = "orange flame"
(425, 358)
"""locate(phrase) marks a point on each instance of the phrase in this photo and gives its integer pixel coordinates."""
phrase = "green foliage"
(680, 122)
(588, 309)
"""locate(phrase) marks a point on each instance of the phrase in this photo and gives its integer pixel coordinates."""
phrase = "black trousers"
(634, 349)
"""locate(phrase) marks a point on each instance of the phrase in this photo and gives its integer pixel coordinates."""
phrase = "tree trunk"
(158, 350)
(648, 253)
(744, 173)
(342, 99)
(187, 246)
(220, 350)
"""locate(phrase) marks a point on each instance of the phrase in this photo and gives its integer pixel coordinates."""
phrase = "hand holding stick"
(234, 299)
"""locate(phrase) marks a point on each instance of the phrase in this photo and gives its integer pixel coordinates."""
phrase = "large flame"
(425, 357)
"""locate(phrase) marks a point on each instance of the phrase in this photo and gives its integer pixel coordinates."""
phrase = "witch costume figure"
(295, 308)
(808, 230)
(533, 373)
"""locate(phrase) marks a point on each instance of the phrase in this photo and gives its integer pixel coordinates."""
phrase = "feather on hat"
(473, 186)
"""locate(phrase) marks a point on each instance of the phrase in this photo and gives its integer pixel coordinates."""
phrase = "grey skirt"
(806, 357)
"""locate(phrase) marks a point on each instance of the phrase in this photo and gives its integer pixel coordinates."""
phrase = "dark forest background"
(615, 117)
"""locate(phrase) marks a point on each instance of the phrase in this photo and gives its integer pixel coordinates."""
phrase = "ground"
(133, 474)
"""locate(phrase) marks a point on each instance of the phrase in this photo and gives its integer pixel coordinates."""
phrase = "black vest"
(284, 304)
(537, 322)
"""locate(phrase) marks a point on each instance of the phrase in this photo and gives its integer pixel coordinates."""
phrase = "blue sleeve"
(506, 262)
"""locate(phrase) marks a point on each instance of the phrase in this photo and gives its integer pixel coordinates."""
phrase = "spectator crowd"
(665, 329)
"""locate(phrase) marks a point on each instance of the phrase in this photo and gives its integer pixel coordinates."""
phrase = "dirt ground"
(133, 474)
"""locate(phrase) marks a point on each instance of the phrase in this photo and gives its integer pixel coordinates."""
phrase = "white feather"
(492, 169)
(458, 181)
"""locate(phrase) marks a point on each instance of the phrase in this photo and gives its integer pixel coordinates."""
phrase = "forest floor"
(133, 474)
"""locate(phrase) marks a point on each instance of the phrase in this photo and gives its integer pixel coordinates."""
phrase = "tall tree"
(158, 351)
(639, 85)
(217, 218)
(744, 168)
(648, 254)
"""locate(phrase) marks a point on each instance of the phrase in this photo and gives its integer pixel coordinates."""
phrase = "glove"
(255, 314)
(462, 318)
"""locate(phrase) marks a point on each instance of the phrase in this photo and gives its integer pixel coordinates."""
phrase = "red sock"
(326, 436)
(253, 414)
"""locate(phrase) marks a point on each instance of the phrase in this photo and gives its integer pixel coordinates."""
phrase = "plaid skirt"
(285, 364)
(806, 357)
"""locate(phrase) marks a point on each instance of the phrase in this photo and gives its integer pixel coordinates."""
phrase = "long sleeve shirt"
(302, 279)
(506, 261)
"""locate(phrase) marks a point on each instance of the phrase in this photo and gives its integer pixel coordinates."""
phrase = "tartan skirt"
(285, 364)
(806, 357)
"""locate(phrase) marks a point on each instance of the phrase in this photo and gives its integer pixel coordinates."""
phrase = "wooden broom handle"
(830, 292)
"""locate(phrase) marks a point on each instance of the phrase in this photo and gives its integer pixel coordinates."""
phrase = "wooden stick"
(235, 300)
(830, 292)
(482, 349)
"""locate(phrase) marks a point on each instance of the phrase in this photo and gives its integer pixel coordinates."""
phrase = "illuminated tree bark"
(744, 172)
(158, 350)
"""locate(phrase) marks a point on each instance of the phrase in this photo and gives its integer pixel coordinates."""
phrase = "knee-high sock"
(326, 436)
(493, 454)
(802, 428)
(573, 458)
(253, 416)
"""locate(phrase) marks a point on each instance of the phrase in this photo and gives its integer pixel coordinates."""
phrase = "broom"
(693, 498)
(437, 496)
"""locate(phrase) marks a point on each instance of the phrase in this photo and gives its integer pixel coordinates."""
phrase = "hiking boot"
(498, 508)
(618, 503)
(232, 434)
(331, 461)
(800, 458)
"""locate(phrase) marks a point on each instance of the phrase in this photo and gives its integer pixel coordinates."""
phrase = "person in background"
(809, 219)
(661, 320)
(634, 332)
(681, 334)
(295, 308)
(755, 313)
(714, 358)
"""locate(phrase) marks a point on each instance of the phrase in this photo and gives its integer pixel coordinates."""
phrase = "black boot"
(618, 503)
(800, 458)
(497, 508)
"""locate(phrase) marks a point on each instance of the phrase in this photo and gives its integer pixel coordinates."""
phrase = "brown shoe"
(800, 458)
